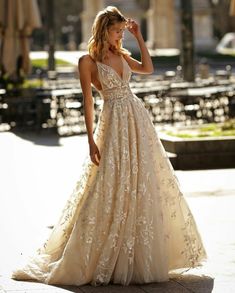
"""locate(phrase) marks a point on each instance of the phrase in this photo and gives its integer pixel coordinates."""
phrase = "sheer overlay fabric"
(126, 220)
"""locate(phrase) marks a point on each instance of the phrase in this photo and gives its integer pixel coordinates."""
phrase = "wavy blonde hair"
(98, 44)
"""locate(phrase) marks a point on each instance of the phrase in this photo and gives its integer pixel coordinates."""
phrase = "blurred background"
(190, 98)
(160, 23)
(192, 44)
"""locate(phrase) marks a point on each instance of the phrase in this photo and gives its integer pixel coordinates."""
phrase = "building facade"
(162, 19)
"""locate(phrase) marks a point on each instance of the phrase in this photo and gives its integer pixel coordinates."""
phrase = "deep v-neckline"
(120, 77)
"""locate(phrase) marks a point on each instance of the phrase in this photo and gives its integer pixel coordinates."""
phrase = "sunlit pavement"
(37, 175)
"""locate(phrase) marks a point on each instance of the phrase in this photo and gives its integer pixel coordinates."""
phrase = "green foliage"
(208, 127)
(42, 63)
(209, 130)
(181, 135)
(229, 125)
(31, 83)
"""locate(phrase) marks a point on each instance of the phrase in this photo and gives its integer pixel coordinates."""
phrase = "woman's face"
(115, 32)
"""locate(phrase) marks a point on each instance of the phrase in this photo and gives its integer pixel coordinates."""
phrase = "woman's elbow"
(149, 70)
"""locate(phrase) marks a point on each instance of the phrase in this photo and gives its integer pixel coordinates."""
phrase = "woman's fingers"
(98, 155)
(132, 26)
(94, 154)
(95, 158)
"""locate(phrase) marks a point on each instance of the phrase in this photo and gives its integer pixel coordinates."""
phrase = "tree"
(187, 48)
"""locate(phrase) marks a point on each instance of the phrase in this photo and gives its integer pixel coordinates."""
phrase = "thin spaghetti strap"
(99, 75)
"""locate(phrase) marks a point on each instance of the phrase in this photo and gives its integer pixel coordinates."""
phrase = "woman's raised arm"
(146, 65)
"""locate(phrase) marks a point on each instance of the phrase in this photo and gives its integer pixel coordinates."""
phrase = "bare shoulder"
(85, 61)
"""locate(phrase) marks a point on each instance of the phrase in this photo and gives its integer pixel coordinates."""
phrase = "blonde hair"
(98, 45)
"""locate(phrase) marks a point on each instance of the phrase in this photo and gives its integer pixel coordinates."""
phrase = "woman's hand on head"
(94, 153)
(133, 27)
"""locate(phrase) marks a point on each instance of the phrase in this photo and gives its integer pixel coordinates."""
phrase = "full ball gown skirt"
(126, 220)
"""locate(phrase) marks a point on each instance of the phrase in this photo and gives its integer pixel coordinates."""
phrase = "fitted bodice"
(113, 85)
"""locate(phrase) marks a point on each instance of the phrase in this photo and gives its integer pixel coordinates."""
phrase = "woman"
(127, 220)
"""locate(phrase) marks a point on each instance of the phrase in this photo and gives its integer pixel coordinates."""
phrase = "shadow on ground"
(45, 138)
(184, 284)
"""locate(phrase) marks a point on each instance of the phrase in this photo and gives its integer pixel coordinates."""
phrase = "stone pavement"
(38, 173)
(189, 284)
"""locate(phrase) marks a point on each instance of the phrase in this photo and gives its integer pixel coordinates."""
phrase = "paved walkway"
(39, 172)
(184, 285)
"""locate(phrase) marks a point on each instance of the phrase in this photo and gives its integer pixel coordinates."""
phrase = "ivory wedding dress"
(126, 220)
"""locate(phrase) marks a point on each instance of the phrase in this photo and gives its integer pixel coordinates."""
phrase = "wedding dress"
(126, 220)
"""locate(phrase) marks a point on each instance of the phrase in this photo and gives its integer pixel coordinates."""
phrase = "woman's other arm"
(84, 66)
(85, 80)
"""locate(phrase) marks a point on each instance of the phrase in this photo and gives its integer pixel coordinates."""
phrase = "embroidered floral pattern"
(126, 220)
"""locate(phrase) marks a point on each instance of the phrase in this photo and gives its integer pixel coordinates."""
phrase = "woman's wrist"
(139, 36)
(91, 140)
